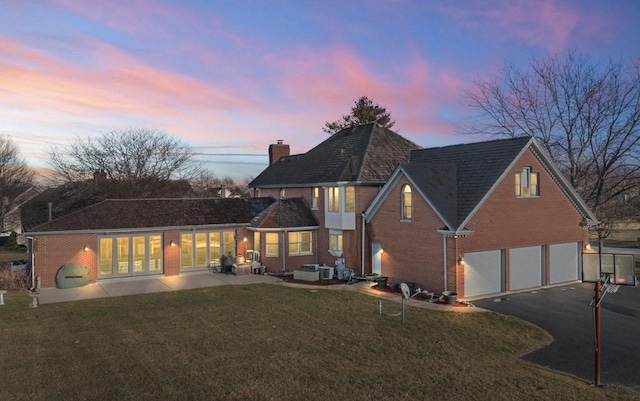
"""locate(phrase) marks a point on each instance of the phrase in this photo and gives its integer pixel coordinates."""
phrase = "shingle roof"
(113, 214)
(473, 167)
(365, 153)
(75, 196)
(286, 213)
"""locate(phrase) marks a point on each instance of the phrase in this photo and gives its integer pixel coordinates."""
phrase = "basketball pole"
(598, 325)
(598, 315)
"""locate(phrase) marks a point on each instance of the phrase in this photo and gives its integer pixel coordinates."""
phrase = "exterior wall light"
(460, 259)
(86, 248)
(172, 244)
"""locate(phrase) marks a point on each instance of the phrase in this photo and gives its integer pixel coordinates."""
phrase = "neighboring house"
(478, 219)
(137, 237)
(11, 220)
(337, 179)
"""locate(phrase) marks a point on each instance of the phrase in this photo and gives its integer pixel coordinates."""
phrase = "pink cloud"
(332, 78)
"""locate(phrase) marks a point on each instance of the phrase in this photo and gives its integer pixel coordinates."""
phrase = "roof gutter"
(140, 229)
(284, 229)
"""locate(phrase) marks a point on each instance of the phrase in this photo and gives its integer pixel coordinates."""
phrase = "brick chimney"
(277, 150)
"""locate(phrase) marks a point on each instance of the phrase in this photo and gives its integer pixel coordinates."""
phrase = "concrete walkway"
(147, 285)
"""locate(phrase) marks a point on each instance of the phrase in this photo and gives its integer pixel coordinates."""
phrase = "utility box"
(73, 275)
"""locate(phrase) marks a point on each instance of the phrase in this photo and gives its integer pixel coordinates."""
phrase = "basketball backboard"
(621, 268)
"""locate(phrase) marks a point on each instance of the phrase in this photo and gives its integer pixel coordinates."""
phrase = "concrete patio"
(149, 284)
(153, 284)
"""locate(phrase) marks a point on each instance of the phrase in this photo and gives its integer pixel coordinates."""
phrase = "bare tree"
(584, 113)
(364, 111)
(15, 177)
(140, 159)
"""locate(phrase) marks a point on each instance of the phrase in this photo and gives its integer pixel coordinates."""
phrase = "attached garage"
(564, 262)
(526, 268)
(483, 273)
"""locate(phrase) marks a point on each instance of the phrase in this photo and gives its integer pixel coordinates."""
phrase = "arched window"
(406, 202)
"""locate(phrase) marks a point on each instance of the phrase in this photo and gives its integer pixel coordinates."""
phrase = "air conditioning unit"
(310, 266)
(326, 273)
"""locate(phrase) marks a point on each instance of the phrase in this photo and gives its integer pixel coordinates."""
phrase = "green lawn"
(266, 342)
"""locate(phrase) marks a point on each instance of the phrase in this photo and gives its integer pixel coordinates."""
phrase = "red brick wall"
(53, 251)
(506, 221)
(351, 239)
(413, 251)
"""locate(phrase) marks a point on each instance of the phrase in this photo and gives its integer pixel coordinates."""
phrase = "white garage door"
(482, 273)
(525, 268)
(563, 262)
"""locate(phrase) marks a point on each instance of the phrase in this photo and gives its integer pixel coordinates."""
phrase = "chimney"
(277, 151)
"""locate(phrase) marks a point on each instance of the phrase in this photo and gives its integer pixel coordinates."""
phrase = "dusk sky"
(231, 77)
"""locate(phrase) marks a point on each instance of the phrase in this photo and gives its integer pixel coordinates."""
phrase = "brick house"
(478, 219)
(337, 179)
(122, 238)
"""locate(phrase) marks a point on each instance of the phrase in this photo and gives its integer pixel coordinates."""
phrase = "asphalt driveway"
(565, 313)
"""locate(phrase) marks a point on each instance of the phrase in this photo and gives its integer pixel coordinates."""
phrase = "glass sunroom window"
(106, 256)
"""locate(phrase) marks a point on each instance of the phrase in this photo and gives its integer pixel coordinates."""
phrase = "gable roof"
(285, 213)
(456, 180)
(477, 168)
(129, 214)
(365, 154)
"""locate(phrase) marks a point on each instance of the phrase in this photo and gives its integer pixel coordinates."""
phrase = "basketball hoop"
(613, 288)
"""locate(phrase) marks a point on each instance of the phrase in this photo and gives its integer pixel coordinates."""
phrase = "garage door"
(482, 273)
(525, 268)
(563, 262)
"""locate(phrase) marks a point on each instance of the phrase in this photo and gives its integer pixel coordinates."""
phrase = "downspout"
(284, 263)
(33, 266)
(362, 257)
(444, 249)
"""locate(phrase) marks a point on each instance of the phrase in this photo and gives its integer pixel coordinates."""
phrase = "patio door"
(125, 256)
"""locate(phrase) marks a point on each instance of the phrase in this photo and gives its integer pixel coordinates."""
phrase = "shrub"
(12, 241)
(13, 281)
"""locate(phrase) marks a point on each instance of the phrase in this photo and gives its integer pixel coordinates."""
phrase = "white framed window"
(349, 199)
(527, 183)
(315, 195)
(335, 242)
(334, 199)
(406, 203)
(300, 243)
(271, 244)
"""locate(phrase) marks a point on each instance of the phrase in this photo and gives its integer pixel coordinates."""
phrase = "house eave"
(136, 229)
(284, 229)
(455, 233)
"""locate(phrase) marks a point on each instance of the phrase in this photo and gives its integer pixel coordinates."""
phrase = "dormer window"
(527, 183)
(406, 203)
